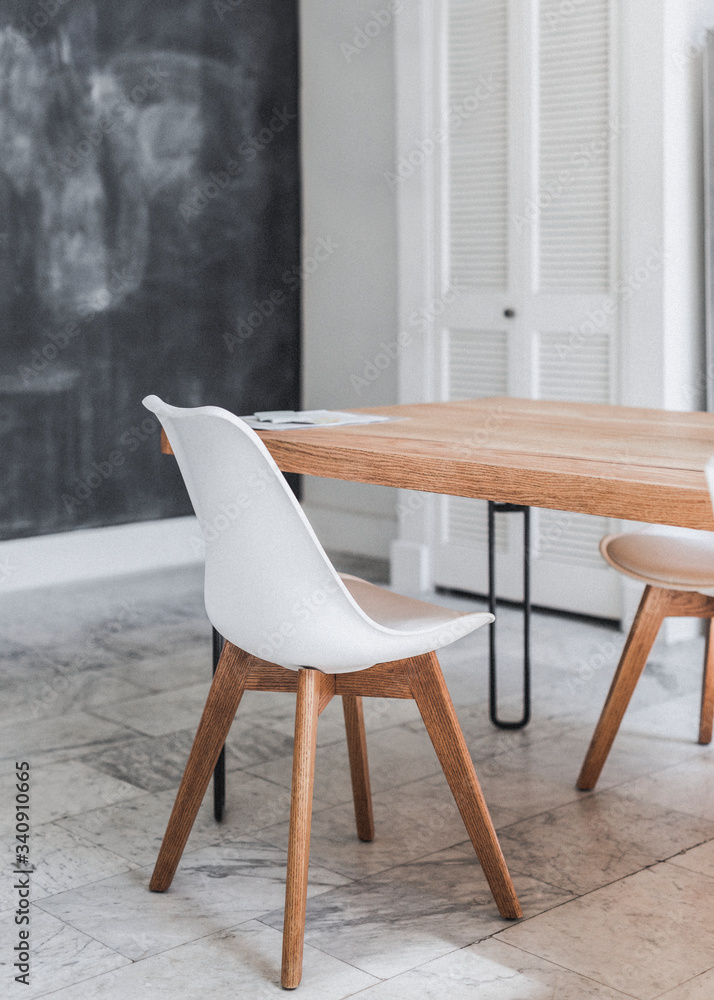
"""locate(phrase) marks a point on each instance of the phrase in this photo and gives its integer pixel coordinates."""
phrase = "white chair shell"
(270, 588)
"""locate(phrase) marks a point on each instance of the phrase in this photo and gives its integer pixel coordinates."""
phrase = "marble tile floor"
(102, 687)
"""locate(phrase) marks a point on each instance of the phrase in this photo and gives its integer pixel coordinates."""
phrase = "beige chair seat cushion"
(399, 612)
(676, 558)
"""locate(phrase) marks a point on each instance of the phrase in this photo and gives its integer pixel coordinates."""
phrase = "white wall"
(662, 357)
(350, 298)
(686, 22)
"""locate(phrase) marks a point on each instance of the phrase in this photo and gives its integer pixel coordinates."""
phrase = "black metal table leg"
(507, 508)
(219, 773)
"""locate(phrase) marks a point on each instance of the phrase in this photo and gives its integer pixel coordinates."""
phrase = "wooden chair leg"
(650, 613)
(218, 714)
(434, 702)
(306, 712)
(706, 717)
(359, 768)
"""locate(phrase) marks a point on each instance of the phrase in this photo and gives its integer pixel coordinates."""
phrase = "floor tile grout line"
(582, 797)
(348, 799)
(344, 961)
(66, 923)
(135, 961)
(421, 965)
(574, 971)
(663, 996)
(642, 777)
(132, 730)
(148, 867)
(578, 896)
(401, 864)
(163, 951)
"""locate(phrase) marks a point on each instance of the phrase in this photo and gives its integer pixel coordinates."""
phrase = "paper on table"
(285, 420)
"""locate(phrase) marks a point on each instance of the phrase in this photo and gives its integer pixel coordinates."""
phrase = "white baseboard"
(94, 553)
(342, 530)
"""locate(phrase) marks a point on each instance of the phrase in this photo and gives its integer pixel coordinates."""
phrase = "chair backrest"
(270, 587)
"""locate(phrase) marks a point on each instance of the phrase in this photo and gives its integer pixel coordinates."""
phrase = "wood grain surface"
(359, 765)
(616, 461)
(306, 712)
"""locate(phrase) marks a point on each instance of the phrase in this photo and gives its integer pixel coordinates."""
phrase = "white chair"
(677, 566)
(292, 623)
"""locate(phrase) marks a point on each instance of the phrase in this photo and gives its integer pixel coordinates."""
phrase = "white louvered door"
(524, 222)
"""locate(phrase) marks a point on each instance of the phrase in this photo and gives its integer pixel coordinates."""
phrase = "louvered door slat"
(477, 366)
(574, 367)
(477, 161)
(477, 363)
(574, 141)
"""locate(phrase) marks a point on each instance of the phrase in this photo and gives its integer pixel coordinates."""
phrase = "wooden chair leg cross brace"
(420, 678)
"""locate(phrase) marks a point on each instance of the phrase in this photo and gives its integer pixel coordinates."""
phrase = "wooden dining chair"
(677, 566)
(292, 623)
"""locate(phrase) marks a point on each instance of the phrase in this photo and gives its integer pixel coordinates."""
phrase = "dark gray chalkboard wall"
(149, 241)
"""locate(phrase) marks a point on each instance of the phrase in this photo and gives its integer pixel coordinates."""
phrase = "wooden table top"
(617, 461)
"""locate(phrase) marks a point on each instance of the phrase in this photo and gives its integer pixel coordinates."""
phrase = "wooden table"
(616, 461)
